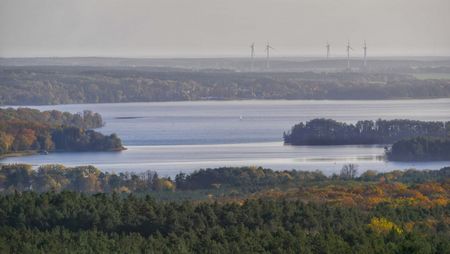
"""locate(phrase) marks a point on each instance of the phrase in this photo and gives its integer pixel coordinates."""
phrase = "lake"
(183, 136)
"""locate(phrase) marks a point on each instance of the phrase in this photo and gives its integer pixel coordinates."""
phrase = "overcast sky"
(209, 28)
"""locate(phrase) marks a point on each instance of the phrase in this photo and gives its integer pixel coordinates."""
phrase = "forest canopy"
(392, 212)
(86, 119)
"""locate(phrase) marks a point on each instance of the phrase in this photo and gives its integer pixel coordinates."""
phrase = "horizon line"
(337, 57)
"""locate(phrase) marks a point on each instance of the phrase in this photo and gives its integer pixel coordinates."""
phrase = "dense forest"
(24, 129)
(330, 132)
(393, 212)
(420, 149)
(75, 84)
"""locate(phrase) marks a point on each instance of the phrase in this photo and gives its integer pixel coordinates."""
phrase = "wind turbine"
(328, 49)
(252, 55)
(348, 54)
(268, 48)
(365, 53)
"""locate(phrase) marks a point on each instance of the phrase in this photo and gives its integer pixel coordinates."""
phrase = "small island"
(330, 132)
(25, 130)
(420, 149)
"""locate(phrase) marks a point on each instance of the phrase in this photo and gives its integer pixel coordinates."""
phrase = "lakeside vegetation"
(24, 130)
(89, 179)
(420, 149)
(37, 85)
(330, 132)
(265, 211)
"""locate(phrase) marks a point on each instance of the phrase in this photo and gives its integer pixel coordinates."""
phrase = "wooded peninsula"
(24, 130)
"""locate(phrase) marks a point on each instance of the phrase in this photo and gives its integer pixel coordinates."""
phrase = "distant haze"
(211, 28)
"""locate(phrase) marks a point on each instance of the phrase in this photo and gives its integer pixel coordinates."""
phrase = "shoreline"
(35, 152)
(18, 154)
(234, 100)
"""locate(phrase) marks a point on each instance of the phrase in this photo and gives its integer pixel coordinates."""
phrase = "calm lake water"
(183, 136)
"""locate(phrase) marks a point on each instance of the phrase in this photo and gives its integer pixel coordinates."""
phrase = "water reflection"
(171, 159)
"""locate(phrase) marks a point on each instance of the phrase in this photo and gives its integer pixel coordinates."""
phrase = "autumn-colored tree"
(6, 141)
(384, 226)
(167, 185)
(24, 139)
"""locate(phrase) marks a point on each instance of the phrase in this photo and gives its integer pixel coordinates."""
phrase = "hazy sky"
(158, 28)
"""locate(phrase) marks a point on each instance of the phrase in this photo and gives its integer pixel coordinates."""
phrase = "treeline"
(243, 177)
(23, 130)
(420, 149)
(21, 177)
(63, 85)
(86, 119)
(68, 222)
(331, 132)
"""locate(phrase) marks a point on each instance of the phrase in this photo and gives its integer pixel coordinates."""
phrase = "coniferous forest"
(267, 212)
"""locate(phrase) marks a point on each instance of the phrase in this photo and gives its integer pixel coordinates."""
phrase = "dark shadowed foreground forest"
(242, 210)
(75, 84)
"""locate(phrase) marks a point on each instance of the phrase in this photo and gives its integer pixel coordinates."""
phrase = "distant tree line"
(23, 130)
(243, 177)
(64, 85)
(420, 149)
(330, 132)
(86, 119)
(21, 177)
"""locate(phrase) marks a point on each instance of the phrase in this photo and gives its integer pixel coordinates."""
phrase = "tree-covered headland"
(25, 130)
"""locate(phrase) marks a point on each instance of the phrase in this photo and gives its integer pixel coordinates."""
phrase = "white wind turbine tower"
(348, 54)
(252, 55)
(328, 49)
(365, 53)
(268, 48)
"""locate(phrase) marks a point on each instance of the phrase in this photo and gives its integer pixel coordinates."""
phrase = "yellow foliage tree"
(384, 226)
(168, 185)
(6, 141)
